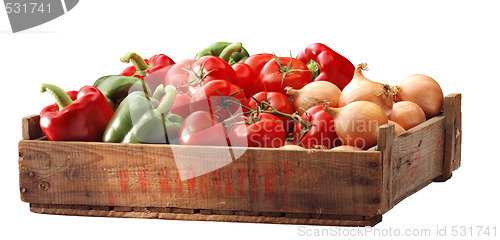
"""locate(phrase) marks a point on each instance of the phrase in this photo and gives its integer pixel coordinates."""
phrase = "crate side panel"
(417, 158)
(137, 175)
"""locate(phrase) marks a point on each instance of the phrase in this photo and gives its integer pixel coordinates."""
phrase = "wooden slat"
(384, 145)
(140, 175)
(31, 128)
(453, 135)
(417, 158)
(153, 213)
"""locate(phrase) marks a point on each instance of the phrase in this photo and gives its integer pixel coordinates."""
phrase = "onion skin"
(422, 90)
(407, 114)
(398, 130)
(292, 146)
(346, 148)
(362, 89)
(312, 94)
(357, 123)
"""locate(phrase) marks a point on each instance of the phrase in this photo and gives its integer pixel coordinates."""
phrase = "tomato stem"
(198, 76)
(262, 106)
(285, 70)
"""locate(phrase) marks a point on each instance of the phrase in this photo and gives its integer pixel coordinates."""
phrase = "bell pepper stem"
(140, 65)
(314, 68)
(168, 100)
(61, 97)
(229, 50)
(159, 92)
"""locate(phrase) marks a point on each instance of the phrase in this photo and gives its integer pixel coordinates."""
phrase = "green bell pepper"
(230, 52)
(136, 120)
(116, 87)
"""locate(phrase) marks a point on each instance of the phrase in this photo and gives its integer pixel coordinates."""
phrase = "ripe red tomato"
(257, 61)
(267, 131)
(278, 101)
(201, 128)
(276, 75)
(181, 105)
(322, 131)
(189, 75)
(247, 78)
(219, 97)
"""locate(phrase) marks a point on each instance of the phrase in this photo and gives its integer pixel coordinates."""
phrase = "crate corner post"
(384, 146)
(453, 135)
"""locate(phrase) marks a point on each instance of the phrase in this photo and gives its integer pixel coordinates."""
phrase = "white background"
(455, 42)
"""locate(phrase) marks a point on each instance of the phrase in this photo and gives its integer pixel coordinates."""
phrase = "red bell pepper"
(76, 116)
(327, 65)
(152, 70)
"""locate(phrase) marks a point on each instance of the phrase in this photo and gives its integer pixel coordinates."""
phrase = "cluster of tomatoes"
(245, 104)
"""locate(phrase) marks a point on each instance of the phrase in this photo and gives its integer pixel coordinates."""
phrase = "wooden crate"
(318, 187)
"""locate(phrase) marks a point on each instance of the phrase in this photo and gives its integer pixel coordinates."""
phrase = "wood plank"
(343, 221)
(140, 175)
(385, 143)
(31, 128)
(417, 158)
(453, 135)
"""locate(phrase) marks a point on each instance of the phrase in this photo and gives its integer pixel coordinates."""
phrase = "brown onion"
(397, 128)
(422, 90)
(346, 148)
(357, 123)
(312, 94)
(407, 114)
(292, 146)
(362, 89)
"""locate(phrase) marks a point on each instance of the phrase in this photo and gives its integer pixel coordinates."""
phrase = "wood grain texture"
(417, 158)
(158, 213)
(139, 175)
(385, 144)
(453, 135)
(31, 128)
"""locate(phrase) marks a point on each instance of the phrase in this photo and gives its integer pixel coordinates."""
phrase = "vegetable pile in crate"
(239, 137)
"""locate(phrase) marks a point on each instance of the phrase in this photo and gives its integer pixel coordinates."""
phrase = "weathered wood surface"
(417, 158)
(453, 135)
(31, 128)
(206, 215)
(138, 175)
(421, 155)
(384, 145)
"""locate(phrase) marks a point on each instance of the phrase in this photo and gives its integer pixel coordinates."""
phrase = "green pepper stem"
(61, 97)
(168, 99)
(159, 92)
(140, 65)
(229, 50)
(314, 68)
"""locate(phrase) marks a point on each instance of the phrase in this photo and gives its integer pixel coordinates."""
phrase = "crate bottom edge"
(205, 215)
